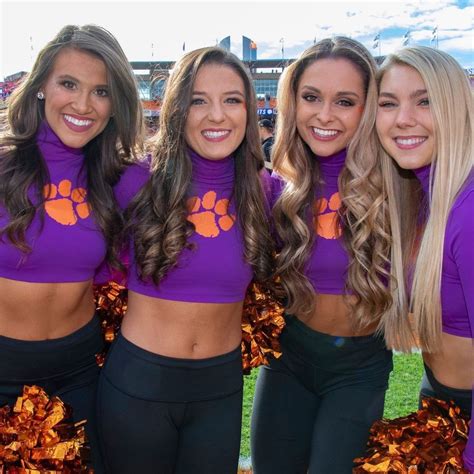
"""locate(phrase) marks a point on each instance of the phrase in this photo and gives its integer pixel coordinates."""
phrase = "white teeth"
(410, 141)
(78, 123)
(324, 133)
(215, 134)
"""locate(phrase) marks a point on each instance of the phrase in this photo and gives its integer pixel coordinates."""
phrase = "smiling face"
(329, 104)
(217, 117)
(404, 121)
(77, 104)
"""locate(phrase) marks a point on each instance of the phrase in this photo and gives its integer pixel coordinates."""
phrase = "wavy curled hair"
(363, 214)
(159, 215)
(450, 99)
(21, 164)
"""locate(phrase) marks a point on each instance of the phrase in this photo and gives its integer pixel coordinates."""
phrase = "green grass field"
(401, 398)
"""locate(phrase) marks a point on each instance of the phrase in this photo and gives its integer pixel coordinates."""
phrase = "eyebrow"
(72, 78)
(338, 94)
(413, 95)
(234, 92)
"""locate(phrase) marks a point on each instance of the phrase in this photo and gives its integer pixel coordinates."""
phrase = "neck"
(423, 176)
(53, 149)
(220, 171)
(332, 165)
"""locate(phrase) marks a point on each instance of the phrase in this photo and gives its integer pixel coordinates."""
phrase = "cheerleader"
(314, 406)
(170, 394)
(424, 123)
(67, 129)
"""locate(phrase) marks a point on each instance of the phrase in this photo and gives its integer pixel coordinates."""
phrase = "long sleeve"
(463, 252)
(131, 181)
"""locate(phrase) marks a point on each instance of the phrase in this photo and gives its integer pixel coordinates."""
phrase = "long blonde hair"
(364, 213)
(450, 100)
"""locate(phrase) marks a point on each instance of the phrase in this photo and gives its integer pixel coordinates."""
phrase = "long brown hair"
(363, 213)
(21, 163)
(159, 215)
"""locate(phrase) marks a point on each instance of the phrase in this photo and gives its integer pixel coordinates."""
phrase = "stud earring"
(40, 95)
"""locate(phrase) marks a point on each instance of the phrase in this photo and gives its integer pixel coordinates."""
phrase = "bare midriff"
(453, 364)
(182, 329)
(332, 315)
(39, 311)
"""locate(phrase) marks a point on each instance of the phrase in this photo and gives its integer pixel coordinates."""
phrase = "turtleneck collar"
(53, 149)
(332, 165)
(212, 171)
(423, 176)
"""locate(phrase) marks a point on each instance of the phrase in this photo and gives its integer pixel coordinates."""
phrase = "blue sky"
(157, 29)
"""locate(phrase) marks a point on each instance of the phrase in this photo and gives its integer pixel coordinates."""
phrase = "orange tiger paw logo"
(209, 215)
(327, 223)
(64, 204)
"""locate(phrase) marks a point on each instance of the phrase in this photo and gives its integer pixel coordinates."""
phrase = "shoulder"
(460, 225)
(463, 207)
(277, 185)
(278, 182)
(133, 178)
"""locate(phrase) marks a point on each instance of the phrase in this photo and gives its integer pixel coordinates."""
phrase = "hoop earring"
(40, 95)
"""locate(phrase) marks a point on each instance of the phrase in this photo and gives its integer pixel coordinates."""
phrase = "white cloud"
(453, 16)
(168, 24)
(456, 43)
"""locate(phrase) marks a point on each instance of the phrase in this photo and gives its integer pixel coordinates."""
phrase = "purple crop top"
(457, 279)
(215, 270)
(69, 247)
(327, 266)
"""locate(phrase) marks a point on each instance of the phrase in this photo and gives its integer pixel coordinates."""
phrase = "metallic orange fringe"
(262, 321)
(34, 441)
(111, 305)
(262, 324)
(429, 441)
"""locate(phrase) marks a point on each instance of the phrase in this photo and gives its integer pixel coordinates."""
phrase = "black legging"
(65, 367)
(430, 387)
(165, 415)
(314, 406)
